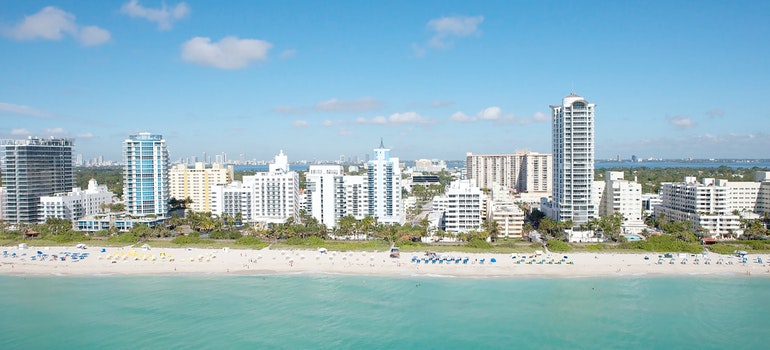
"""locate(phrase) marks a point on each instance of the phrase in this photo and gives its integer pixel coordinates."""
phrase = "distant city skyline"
(672, 80)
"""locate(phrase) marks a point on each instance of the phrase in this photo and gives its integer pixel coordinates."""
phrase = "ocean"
(366, 312)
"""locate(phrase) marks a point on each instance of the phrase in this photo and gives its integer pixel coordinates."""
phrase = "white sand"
(173, 261)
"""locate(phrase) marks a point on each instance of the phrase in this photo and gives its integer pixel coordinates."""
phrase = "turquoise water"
(333, 312)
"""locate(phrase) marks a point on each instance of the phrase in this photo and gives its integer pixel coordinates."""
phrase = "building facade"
(145, 175)
(573, 160)
(31, 169)
(464, 207)
(77, 203)
(523, 171)
(332, 195)
(196, 183)
(383, 179)
(269, 197)
(618, 195)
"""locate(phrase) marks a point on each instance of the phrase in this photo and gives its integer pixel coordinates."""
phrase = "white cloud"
(53, 23)
(55, 132)
(91, 36)
(379, 120)
(462, 117)
(681, 122)
(300, 124)
(228, 53)
(491, 113)
(85, 135)
(345, 132)
(360, 105)
(496, 115)
(20, 132)
(446, 29)
(395, 119)
(12, 109)
(163, 16)
(541, 117)
(286, 54)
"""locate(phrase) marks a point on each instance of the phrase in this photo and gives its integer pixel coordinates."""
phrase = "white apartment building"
(429, 165)
(617, 195)
(383, 184)
(145, 175)
(324, 193)
(573, 160)
(464, 207)
(3, 198)
(502, 209)
(196, 183)
(523, 171)
(705, 204)
(332, 195)
(265, 197)
(75, 204)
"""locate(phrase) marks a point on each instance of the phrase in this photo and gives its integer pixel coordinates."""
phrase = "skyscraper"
(384, 187)
(573, 160)
(145, 174)
(31, 169)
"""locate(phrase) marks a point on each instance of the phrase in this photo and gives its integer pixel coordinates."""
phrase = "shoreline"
(132, 261)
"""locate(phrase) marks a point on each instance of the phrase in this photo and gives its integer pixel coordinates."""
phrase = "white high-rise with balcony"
(573, 160)
(384, 187)
(145, 175)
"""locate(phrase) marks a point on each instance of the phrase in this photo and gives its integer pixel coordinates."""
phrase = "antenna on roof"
(382, 145)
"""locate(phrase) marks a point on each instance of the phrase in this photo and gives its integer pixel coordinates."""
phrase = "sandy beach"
(178, 261)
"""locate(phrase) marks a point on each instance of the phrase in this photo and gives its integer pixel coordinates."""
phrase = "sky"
(432, 79)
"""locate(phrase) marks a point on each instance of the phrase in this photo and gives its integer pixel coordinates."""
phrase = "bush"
(595, 247)
(69, 236)
(664, 243)
(556, 245)
(225, 235)
(312, 241)
(249, 240)
(192, 238)
(479, 244)
(721, 248)
(124, 238)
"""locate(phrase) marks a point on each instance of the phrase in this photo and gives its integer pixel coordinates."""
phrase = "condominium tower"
(196, 183)
(31, 169)
(522, 171)
(573, 160)
(145, 175)
(383, 179)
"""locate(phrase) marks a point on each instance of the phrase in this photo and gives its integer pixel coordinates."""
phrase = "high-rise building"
(269, 197)
(573, 160)
(463, 207)
(332, 195)
(522, 171)
(31, 169)
(618, 195)
(196, 183)
(383, 179)
(145, 175)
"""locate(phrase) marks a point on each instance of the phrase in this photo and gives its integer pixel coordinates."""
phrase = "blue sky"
(434, 79)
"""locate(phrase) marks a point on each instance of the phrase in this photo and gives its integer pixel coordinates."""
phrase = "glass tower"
(145, 175)
(31, 169)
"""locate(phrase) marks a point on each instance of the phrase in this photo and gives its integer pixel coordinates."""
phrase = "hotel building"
(383, 179)
(76, 204)
(31, 169)
(617, 195)
(196, 183)
(523, 171)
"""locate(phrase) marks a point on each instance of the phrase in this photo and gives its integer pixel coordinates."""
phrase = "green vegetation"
(558, 246)
(110, 176)
(250, 242)
(664, 243)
